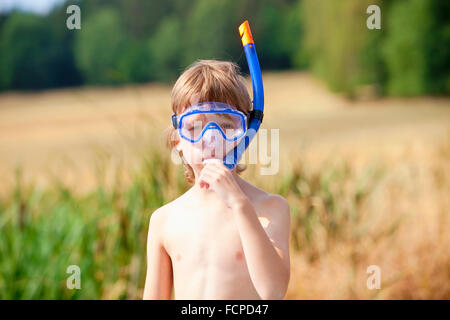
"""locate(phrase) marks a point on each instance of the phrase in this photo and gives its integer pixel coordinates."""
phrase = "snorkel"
(256, 115)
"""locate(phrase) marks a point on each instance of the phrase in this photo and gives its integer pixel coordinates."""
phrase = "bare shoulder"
(159, 218)
(276, 201)
(162, 214)
(274, 206)
(274, 215)
(269, 204)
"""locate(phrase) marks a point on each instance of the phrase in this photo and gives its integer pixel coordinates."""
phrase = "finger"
(218, 167)
(206, 180)
(204, 184)
(211, 169)
(218, 163)
(216, 174)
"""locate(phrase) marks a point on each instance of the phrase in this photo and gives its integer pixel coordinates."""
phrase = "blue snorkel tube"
(256, 115)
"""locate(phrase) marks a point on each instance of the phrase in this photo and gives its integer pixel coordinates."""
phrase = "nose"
(210, 138)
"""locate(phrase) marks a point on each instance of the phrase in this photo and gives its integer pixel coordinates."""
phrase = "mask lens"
(193, 125)
(231, 125)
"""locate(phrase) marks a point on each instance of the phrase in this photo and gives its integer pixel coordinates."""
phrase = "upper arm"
(276, 210)
(159, 279)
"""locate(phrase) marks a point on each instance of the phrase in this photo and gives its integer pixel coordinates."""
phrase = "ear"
(176, 142)
(173, 139)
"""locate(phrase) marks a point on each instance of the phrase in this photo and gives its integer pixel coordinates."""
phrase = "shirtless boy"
(224, 238)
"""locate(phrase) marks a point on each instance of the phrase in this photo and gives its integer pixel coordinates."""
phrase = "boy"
(224, 238)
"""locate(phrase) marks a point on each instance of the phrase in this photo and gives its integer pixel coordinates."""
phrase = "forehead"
(207, 107)
(206, 104)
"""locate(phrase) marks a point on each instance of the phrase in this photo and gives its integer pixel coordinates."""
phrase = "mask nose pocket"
(211, 135)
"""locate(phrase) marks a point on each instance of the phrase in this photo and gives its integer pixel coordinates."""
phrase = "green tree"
(208, 32)
(34, 54)
(339, 47)
(416, 49)
(134, 64)
(166, 50)
(24, 62)
(408, 25)
(99, 46)
(278, 34)
(439, 48)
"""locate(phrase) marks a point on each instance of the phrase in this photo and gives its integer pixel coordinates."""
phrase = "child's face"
(211, 145)
(212, 116)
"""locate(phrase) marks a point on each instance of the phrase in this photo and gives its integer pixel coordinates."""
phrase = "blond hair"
(203, 81)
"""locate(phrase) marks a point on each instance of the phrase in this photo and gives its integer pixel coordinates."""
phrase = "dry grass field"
(368, 182)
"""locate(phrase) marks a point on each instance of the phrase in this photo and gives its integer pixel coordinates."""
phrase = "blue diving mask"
(197, 119)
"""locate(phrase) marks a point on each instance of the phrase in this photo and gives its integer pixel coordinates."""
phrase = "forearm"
(269, 274)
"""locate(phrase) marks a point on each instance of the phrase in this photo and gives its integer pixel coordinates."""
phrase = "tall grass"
(104, 232)
(344, 218)
(393, 214)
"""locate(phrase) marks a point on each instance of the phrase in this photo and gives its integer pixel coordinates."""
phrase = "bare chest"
(205, 237)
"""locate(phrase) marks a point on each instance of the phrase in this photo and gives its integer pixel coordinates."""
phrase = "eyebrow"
(200, 116)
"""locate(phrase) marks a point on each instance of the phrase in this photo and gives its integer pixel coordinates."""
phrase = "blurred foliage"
(43, 232)
(104, 231)
(35, 55)
(409, 55)
(128, 41)
(99, 47)
(417, 53)
(334, 37)
(166, 51)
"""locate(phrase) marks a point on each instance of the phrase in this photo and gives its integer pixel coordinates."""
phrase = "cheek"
(190, 152)
(230, 146)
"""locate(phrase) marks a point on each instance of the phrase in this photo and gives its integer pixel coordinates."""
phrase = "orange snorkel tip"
(246, 34)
